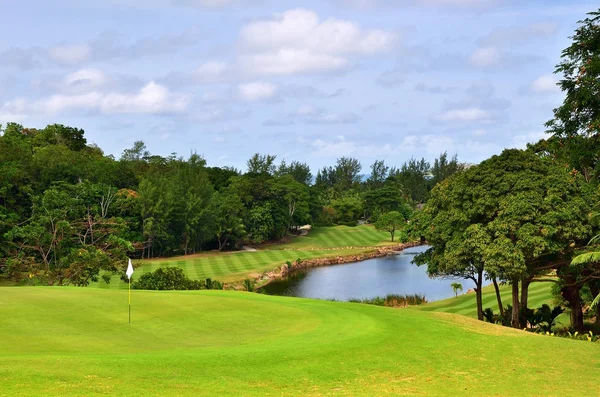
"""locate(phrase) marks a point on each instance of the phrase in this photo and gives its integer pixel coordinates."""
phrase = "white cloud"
(431, 144)
(150, 99)
(521, 141)
(458, 3)
(211, 72)
(333, 149)
(257, 91)
(465, 115)
(545, 85)
(298, 41)
(309, 114)
(204, 3)
(70, 54)
(290, 61)
(485, 57)
(86, 79)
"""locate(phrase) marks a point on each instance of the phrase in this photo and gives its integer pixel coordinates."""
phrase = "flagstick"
(129, 300)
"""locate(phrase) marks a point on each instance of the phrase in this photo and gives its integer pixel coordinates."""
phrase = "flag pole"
(129, 273)
(130, 300)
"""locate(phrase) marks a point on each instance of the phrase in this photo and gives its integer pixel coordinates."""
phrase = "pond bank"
(284, 270)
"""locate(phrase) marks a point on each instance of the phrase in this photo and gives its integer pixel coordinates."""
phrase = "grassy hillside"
(70, 341)
(235, 266)
(539, 293)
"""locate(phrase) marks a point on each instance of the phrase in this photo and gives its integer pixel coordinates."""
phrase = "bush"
(393, 300)
(167, 278)
(249, 285)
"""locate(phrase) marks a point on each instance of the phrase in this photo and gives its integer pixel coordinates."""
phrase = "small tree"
(390, 222)
(456, 287)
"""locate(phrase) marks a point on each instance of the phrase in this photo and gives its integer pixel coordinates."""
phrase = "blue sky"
(306, 80)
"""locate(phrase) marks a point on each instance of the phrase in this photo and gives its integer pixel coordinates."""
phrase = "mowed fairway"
(76, 341)
(465, 304)
(235, 266)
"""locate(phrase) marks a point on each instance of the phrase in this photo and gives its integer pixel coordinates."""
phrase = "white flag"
(129, 271)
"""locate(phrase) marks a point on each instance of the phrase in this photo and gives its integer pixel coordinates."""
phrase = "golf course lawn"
(235, 266)
(76, 341)
(465, 304)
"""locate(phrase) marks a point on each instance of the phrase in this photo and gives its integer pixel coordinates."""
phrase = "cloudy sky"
(306, 80)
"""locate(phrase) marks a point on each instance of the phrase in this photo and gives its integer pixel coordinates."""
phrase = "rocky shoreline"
(285, 270)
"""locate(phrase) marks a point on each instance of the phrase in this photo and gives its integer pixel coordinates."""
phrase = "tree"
(294, 194)
(444, 168)
(228, 213)
(69, 239)
(576, 123)
(456, 287)
(137, 152)
(261, 164)
(412, 175)
(379, 173)
(347, 173)
(516, 215)
(299, 171)
(390, 222)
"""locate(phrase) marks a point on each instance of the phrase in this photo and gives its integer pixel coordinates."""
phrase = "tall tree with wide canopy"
(516, 215)
(576, 123)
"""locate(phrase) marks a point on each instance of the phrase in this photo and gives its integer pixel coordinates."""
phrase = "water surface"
(394, 274)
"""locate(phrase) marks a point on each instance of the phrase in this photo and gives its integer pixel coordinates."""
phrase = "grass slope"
(235, 266)
(69, 341)
(539, 293)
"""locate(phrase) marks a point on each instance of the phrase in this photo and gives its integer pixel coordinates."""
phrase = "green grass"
(70, 341)
(339, 236)
(235, 266)
(539, 293)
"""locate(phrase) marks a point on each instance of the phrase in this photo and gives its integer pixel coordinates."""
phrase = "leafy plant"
(249, 285)
(456, 287)
(167, 278)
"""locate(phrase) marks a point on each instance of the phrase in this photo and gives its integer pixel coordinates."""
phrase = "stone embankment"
(284, 270)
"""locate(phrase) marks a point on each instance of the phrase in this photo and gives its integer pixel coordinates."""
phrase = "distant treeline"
(67, 210)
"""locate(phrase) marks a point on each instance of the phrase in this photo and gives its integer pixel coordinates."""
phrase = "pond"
(393, 274)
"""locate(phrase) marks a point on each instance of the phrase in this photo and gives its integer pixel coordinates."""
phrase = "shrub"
(167, 278)
(249, 285)
(393, 300)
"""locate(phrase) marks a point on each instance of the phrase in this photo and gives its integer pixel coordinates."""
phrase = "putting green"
(70, 341)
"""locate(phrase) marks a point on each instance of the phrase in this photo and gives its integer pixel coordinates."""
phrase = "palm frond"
(594, 239)
(595, 301)
(588, 257)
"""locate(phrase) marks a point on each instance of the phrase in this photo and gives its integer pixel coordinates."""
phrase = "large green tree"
(576, 123)
(516, 215)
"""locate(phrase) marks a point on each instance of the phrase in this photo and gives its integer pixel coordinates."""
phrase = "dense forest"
(67, 210)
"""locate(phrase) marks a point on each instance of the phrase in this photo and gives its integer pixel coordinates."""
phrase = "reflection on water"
(394, 274)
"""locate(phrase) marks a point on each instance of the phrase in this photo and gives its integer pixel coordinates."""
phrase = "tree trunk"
(392, 233)
(515, 320)
(498, 297)
(478, 295)
(571, 293)
(595, 290)
(524, 293)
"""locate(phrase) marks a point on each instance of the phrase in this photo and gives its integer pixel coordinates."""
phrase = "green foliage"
(348, 210)
(391, 222)
(393, 300)
(249, 285)
(167, 278)
(516, 213)
(456, 287)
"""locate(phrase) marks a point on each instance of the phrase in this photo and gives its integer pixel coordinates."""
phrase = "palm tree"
(589, 257)
(456, 287)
